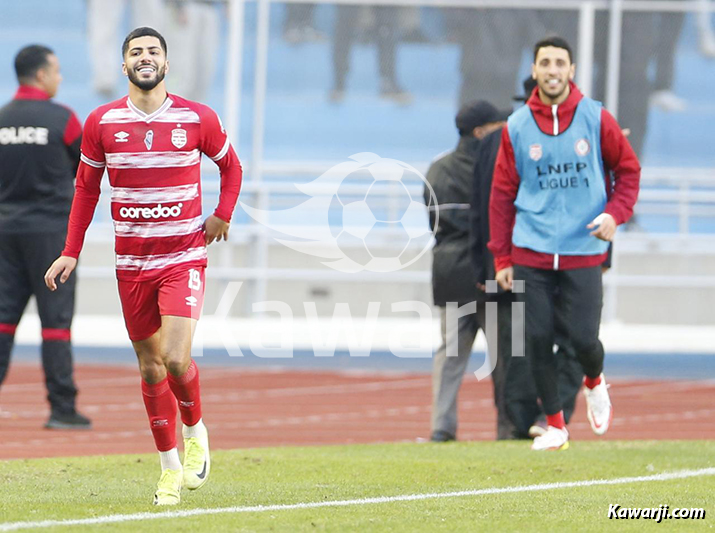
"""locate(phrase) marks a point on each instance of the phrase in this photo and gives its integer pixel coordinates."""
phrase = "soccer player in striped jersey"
(150, 143)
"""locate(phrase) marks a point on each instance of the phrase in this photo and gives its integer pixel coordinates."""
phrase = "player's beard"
(149, 84)
(556, 92)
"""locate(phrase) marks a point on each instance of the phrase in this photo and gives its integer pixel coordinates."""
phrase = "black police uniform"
(39, 155)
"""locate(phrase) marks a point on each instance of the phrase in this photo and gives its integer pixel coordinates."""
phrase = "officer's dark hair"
(144, 31)
(556, 42)
(29, 60)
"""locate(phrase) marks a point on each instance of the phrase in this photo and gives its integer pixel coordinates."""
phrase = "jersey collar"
(152, 116)
(28, 92)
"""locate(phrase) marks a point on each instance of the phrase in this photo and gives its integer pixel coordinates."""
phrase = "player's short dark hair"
(144, 31)
(31, 59)
(556, 42)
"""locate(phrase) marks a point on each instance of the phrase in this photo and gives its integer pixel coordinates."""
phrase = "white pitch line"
(113, 519)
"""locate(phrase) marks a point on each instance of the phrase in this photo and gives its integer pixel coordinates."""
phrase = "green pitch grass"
(86, 487)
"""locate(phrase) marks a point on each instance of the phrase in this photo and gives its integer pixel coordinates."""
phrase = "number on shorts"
(194, 279)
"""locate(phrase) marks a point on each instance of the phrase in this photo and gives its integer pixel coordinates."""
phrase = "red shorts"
(178, 292)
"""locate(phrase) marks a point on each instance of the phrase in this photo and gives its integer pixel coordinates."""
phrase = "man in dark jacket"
(39, 154)
(462, 307)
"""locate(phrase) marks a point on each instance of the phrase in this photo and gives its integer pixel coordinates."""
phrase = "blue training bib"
(562, 187)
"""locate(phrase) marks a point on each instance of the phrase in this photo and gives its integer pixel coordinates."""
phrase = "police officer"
(39, 155)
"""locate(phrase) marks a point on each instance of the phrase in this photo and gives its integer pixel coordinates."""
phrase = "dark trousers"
(579, 303)
(669, 28)
(640, 33)
(24, 259)
(492, 42)
(298, 16)
(344, 37)
(448, 371)
(520, 394)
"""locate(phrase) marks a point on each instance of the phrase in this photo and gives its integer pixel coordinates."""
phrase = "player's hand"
(63, 267)
(606, 229)
(215, 229)
(505, 278)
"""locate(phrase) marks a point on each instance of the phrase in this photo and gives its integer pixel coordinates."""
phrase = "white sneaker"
(598, 407)
(553, 439)
(707, 44)
(668, 101)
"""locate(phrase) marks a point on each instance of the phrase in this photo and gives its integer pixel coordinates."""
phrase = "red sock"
(160, 406)
(187, 391)
(556, 420)
(591, 382)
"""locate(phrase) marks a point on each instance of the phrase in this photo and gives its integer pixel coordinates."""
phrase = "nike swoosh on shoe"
(202, 475)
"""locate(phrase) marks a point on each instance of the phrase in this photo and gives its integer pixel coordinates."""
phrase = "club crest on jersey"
(582, 147)
(149, 139)
(535, 152)
(178, 137)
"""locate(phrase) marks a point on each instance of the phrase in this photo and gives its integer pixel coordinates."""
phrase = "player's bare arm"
(63, 267)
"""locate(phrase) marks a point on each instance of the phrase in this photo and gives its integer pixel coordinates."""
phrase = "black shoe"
(68, 421)
(506, 430)
(442, 436)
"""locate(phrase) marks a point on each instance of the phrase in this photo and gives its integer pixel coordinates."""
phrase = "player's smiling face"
(552, 71)
(145, 62)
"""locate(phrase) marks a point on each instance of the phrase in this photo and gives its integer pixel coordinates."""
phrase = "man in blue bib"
(564, 179)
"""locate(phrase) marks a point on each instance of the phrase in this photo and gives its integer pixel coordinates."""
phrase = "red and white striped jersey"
(153, 162)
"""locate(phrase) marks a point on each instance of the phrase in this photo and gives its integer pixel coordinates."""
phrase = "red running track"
(247, 408)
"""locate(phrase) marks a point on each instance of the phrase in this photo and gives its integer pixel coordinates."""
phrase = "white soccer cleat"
(668, 101)
(598, 407)
(553, 439)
